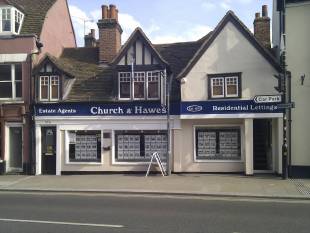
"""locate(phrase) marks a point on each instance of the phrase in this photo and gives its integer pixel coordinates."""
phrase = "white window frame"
(223, 90)
(237, 86)
(49, 88)
(132, 81)
(119, 84)
(150, 74)
(13, 82)
(13, 13)
(224, 126)
(133, 84)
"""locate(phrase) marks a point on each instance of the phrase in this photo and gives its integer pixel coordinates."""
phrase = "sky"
(164, 21)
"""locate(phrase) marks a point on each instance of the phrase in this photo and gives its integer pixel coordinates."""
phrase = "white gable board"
(230, 52)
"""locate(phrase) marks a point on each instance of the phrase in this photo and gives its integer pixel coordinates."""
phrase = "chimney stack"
(90, 39)
(109, 34)
(262, 27)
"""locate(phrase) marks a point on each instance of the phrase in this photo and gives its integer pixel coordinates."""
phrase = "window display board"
(140, 145)
(218, 144)
(84, 146)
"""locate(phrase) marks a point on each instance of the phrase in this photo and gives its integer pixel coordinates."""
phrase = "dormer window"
(144, 85)
(11, 20)
(49, 88)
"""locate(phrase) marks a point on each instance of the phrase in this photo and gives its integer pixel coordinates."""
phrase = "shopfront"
(228, 136)
(111, 137)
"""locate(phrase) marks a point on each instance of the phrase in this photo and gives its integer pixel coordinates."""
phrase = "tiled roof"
(95, 83)
(35, 12)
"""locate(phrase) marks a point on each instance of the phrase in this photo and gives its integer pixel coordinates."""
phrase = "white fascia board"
(16, 57)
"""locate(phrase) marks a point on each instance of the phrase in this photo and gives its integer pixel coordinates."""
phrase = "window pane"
(217, 90)
(125, 90)
(139, 90)
(18, 86)
(44, 92)
(139, 85)
(217, 85)
(55, 92)
(153, 84)
(5, 72)
(124, 85)
(232, 90)
(5, 90)
(18, 72)
(153, 90)
(85, 146)
(6, 20)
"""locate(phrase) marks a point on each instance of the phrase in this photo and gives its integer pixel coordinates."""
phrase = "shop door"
(15, 148)
(262, 144)
(48, 150)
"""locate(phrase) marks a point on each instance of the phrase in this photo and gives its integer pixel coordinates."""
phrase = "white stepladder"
(159, 163)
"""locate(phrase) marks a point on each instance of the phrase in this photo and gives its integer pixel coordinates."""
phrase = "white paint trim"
(16, 57)
(220, 126)
(38, 150)
(58, 151)
(225, 116)
(249, 153)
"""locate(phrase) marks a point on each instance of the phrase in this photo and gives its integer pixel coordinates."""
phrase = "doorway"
(15, 149)
(48, 150)
(262, 144)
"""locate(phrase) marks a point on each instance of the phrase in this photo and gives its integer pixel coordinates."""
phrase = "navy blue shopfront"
(154, 109)
(120, 134)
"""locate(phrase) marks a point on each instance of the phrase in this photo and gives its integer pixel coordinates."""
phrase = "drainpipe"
(32, 156)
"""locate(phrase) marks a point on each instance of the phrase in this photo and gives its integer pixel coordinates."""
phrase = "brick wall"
(109, 34)
(262, 27)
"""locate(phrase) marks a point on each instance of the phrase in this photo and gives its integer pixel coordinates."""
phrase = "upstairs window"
(49, 88)
(11, 81)
(139, 85)
(225, 86)
(6, 20)
(11, 20)
(144, 85)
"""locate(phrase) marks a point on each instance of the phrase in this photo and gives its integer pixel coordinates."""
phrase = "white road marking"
(61, 223)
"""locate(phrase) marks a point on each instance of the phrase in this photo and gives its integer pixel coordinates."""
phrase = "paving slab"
(187, 184)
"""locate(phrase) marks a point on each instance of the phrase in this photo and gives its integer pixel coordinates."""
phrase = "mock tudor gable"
(138, 50)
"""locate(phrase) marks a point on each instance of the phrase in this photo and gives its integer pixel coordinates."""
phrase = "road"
(68, 213)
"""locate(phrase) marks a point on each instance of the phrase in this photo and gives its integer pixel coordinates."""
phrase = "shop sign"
(155, 109)
(267, 99)
(227, 107)
(100, 109)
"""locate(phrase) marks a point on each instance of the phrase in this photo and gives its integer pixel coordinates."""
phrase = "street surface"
(73, 213)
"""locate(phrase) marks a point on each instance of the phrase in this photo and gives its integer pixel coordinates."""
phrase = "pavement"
(216, 185)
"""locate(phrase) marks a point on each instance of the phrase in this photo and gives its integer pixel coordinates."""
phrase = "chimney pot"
(257, 15)
(104, 11)
(112, 11)
(265, 11)
(93, 33)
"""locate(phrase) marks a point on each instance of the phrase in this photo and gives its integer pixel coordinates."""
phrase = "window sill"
(84, 163)
(217, 161)
(11, 101)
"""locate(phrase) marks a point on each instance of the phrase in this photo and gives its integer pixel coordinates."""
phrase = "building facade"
(297, 61)
(25, 27)
(98, 108)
